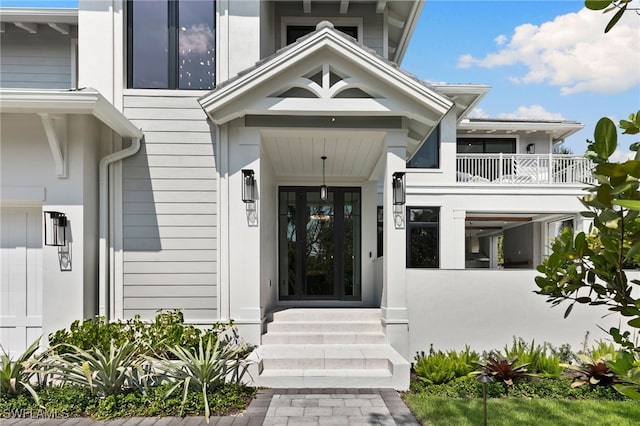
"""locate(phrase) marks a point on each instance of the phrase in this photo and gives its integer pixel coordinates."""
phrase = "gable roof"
(381, 87)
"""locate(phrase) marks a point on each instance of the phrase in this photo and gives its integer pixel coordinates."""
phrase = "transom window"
(294, 32)
(171, 44)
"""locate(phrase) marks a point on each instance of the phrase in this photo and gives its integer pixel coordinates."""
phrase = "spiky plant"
(203, 369)
(16, 376)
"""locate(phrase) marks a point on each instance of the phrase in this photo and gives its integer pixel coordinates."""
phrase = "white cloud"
(501, 39)
(571, 52)
(534, 112)
(478, 113)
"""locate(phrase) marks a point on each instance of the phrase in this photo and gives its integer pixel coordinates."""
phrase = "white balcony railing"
(523, 169)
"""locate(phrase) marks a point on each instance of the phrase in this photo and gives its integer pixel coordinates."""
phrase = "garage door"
(20, 277)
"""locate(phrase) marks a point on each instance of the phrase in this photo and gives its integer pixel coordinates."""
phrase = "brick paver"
(275, 407)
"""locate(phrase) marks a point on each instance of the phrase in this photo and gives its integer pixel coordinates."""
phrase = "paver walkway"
(290, 407)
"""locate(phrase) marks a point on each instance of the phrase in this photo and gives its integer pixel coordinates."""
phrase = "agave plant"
(16, 376)
(203, 369)
(104, 373)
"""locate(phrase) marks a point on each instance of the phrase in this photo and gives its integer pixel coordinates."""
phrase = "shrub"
(15, 376)
(527, 354)
(527, 387)
(504, 370)
(438, 367)
(165, 331)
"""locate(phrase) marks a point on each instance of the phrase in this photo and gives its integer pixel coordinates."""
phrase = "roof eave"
(87, 101)
(412, 19)
(39, 15)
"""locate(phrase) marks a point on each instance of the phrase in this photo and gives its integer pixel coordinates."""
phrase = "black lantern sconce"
(248, 186)
(531, 148)
(399, 196)
(55, 229)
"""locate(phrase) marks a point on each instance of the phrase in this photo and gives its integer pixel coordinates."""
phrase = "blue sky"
(543, 59)
(558, 65)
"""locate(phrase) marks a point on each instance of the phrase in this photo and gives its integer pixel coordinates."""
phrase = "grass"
(440, 411)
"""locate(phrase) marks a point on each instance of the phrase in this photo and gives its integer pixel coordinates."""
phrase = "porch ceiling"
(297, 154)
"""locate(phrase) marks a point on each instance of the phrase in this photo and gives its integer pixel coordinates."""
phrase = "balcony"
(523, 169)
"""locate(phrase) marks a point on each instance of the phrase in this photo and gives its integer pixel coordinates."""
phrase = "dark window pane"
(150, 44)
(428, 156)
(424, 247)
(486, 146)
(470, 146)
(294, 32)
(506, 146)
(196, 44)
(423, 214)
(423, 233)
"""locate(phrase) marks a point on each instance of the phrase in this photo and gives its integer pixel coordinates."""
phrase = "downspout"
(105, 296)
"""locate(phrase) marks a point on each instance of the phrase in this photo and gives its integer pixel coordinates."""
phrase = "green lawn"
(439, 411)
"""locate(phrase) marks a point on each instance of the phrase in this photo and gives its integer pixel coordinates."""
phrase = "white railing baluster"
(523, 169)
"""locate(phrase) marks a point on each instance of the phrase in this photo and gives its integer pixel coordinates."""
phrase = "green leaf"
(635, 323)
(616, 18)
(597, 4)
(605, 138)
(568, 311)
(624, 187)
(629, 204)
(611, 169)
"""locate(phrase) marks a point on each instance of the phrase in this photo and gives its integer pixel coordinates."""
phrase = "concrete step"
(313, 378)
(289, 365)
(327, 314)
(352, 326)
(277, 338)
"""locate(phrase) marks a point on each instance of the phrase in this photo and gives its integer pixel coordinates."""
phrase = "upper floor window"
(428, 156)
(486, 146)
(171, 44)
(294, 32)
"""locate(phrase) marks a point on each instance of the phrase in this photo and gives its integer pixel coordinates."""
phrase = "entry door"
(319, 244)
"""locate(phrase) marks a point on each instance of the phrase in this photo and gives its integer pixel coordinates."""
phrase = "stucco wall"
(485, 309)
(28, 179)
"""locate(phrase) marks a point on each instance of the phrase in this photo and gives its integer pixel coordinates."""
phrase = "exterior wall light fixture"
(324, 190)
(399, 196)
(248, 186)
(55, 229)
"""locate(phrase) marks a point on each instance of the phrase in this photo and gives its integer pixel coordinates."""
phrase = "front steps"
(338, 348)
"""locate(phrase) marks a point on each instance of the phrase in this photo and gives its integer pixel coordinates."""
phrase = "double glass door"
(319, 244)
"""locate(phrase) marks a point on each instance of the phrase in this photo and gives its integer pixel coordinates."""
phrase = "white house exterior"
(142, 121)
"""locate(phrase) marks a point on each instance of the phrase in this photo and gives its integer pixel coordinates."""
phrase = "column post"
(395, 317)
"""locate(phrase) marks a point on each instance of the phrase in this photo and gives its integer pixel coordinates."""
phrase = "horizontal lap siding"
(170, 208)
(35, 61)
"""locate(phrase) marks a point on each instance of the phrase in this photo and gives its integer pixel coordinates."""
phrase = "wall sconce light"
(55, 229)
(248, 186)
(531, 148)
(399, 197)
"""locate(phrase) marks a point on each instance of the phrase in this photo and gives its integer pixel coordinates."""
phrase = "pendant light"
(324, 191)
